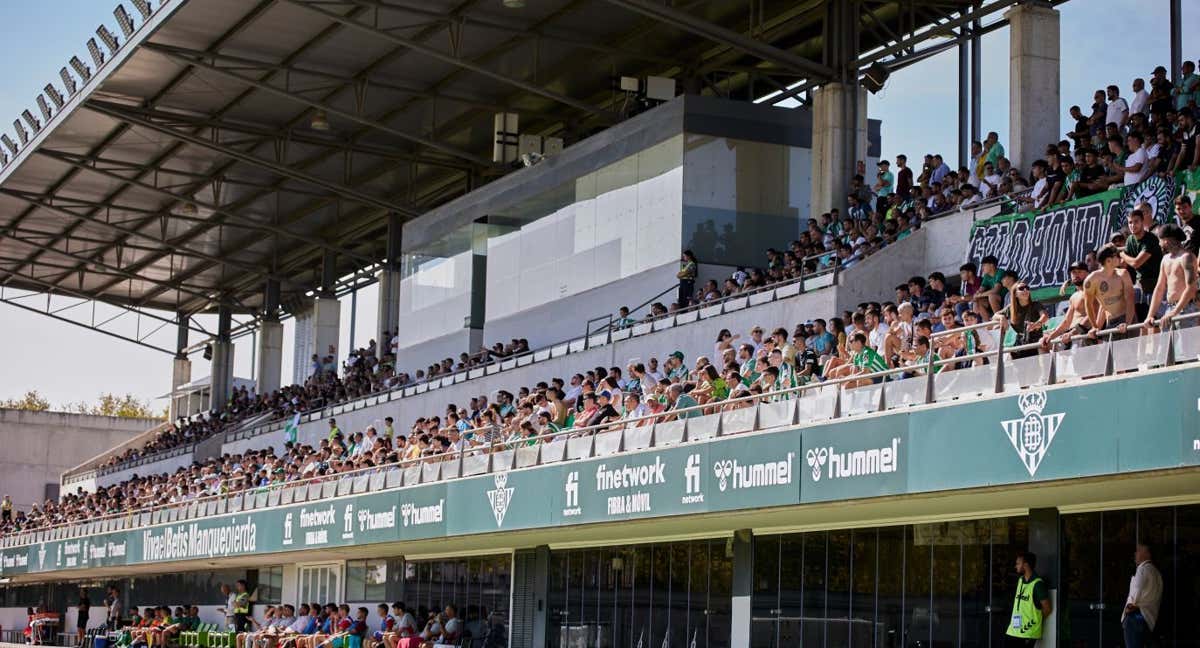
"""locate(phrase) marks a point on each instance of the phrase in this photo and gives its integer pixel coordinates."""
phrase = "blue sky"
(1103, 42)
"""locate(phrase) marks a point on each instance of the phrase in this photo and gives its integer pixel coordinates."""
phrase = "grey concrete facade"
(1034, 70)
(40, 446)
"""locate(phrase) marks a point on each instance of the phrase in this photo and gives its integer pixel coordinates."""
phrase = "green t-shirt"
(683, 402)
(888, 182)
(870, 360)
(1192, 82)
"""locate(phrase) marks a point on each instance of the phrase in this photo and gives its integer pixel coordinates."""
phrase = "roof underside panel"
(232, 141)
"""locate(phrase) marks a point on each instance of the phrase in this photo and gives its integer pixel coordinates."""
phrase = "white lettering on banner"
(418, 515)
(732, 474)
(316, 537)
(858, 463)
(348, 523)
(630, 477)
(287, 529)
(1032, 434)
(632, 503)
(691, 478)
(10, 561)
(372, 521)
(190, 541)
(571, 490)
(315, 518)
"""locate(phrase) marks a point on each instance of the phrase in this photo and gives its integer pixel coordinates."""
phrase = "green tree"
(32, 401)
(127, 406)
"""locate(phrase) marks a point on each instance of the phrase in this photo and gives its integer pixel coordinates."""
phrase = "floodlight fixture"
(43, 107)
(55, 97)
(97, 55)
(123, 21)
(80, 68)
(31, 120)
(110, 41)
(22, 134)
(143, 8)
(9, 144)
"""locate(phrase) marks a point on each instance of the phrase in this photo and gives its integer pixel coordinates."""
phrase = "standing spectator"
(1161, 91)
(1140, 103)
(241, 606)
(6, 509)
(994, 150)
(687, 278)
(904, 177)
(1108, 293)
(1188, 89)
(1117, 111)
(1189, 221)
(1175, 292)
(884, 185)
(1134, 165)
(1097, 119)
(1142, 255)
(1081, 133)
(940, 169)
(1145, 595)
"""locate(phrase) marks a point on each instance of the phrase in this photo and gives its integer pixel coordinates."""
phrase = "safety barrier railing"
(1003, 369)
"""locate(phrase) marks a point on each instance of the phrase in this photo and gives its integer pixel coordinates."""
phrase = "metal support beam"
(976, 75)
(197, 61)
(318, 7)
(964, 108)
(238, 220)
(181, 334)
(1176, 39)
(279, 169)
(328, 273)
(767, 52)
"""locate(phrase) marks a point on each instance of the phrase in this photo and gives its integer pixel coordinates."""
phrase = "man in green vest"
(333, 430)
(241, 606)
(1031, 605)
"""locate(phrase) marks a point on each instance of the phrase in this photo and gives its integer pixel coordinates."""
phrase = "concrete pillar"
(221, 374)
(835, 146)
(270, 356)
(181, 374)
(743, 588)
(1044, 541)
(1033, 109)
(327, 317)
(389, 310)
(388, 322)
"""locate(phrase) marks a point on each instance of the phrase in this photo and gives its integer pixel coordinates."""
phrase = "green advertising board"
(1147, 421)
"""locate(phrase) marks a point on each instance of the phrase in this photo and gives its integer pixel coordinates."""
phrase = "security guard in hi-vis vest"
(1031, 605)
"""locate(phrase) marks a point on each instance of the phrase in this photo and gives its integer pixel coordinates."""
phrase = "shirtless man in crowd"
(1075, 321)
(1175, 292)
(1108, 294)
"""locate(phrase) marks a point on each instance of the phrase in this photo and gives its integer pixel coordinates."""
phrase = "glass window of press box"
(741, 197)
(610, 224)
(435, 285)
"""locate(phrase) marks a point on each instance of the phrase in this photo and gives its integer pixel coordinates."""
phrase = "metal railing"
(1000, 370)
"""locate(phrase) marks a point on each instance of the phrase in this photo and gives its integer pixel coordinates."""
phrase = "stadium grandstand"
(657, 362)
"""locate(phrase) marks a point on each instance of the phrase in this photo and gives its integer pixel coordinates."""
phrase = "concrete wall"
(946, 240)
(40, 446)
(876, 277)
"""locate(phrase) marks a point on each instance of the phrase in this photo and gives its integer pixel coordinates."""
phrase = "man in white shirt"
(1141, 98)
(1135, 163)
(1041, 187)
(1118, 110)
(1145, 594)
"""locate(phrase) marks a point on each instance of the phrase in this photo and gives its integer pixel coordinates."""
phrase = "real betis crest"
(1032, 434)
(500, 497)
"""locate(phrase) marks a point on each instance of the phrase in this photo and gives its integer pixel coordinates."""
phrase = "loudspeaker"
(874, 77)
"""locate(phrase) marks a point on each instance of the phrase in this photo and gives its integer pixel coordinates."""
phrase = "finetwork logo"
(348, 523)
(856, 463)
(500, 497)
(733, 475)
(691, 478)
(287, 529)
(1032, 434)
(571, 495)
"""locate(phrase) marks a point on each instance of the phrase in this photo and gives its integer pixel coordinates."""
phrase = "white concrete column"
(270, 356)
(181, 374)
(222, 374)
(832, 158)
(389, 310)
(1033, 108)
(327, 317)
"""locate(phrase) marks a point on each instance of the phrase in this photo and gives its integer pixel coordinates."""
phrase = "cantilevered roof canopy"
(198, 148)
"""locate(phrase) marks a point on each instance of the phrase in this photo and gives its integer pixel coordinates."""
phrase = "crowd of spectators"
(910, 333)
(315, 625)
